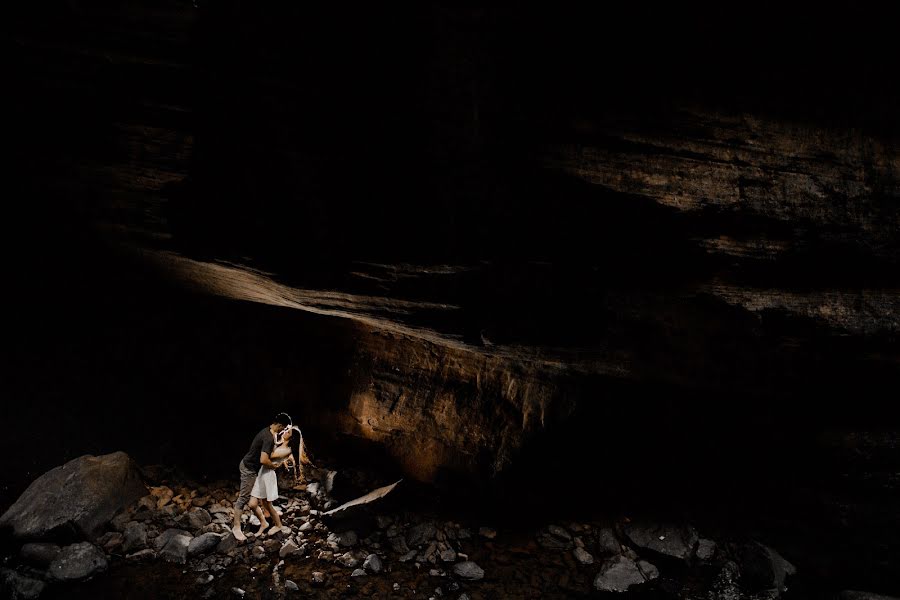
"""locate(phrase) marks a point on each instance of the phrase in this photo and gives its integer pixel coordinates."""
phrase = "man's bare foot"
(263, 525)
(275, 529)
(238, 534)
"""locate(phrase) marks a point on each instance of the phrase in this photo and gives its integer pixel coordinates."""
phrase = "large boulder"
(77, 562)
(763, 568)
(676, 541)
(620, 573)
(76, 500)
(19, 587)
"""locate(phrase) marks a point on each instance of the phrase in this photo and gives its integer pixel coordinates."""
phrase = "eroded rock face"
(75, 500)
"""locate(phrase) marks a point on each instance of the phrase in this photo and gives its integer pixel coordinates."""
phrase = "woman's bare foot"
(263, 525)
(238, 534)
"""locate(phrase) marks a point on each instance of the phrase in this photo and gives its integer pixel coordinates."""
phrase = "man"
(258, 455)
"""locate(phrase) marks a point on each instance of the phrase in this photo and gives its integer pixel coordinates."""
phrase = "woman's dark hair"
(283, 419)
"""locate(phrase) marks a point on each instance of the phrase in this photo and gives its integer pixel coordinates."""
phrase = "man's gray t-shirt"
(263, 442)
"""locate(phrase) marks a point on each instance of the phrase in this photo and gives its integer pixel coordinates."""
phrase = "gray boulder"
(373, 564)
(620, 573)
(419, 534)
(19, 587)
(468, 570)
(203, 544)
(76, 500)
(762, 568)
(176, 549)
(135, 537)
(555, 538)
(77, 562)
(39, 554)
(196, 518)
(607, 542)
(676, 541)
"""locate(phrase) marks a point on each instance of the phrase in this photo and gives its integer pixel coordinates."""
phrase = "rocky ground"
(172, 539)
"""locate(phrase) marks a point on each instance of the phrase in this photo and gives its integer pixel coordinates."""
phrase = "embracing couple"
(259, 484)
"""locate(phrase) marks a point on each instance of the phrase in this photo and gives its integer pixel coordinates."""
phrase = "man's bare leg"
(236, 526)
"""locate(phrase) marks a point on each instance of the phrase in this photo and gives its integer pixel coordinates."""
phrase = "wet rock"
(176, 549)
(620, 573)
(236, 591)
(162, 539)
(448, 555)
(487, 532)
(358, 573)
(347, 560)
(194, 519)
(204, 579)
(373, 564)
(398, 544)
(144, 554)
(762, 568)
(16, 586)
(607, 542)
(468, 570)
(676, 541)
(39, 554)
(555, 538)
(258, 553)
(77, 562)
(291, 586)
(203, 544)
(706, 550)
(135, 537)
(419, 534)
(408, 556)
(288, 549)
(75, 500)
(110, 541)
(227, 543)
(583, 556)
(318, 579)
(305, 527)
(348, 539)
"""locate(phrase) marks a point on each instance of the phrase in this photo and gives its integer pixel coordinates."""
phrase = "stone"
(135, 537)
(39, 554)
(448, 555)
(305, 527)
(227, 543)
(555, 538)
(583, 556)
(291, 586)
(203, 544)
(419, 534)
(762, 568)
(162, 539)
(16, 586)
(77, 562)
(288, 549)
(236, 591)
(373, 564)
(204, 579)
(398, 544)
(144, 554)
(76, 500)
(676, 541)
(468, 570)
(607, 542)
(706, 550)
(110, 541)
(318, 578)
(176, 549)
(487, 532)
(620, 573)
(347, 560)
(196, 518)
(358, 573)
(348, 539)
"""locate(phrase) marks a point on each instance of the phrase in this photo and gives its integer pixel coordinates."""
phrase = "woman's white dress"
(266, 485)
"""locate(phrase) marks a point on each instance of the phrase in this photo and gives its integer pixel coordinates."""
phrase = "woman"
(265, 490)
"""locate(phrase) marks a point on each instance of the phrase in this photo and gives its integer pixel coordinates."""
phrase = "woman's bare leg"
(273, 513)
(255, 507)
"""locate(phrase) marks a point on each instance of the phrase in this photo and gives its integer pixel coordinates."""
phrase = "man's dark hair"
(283, 419)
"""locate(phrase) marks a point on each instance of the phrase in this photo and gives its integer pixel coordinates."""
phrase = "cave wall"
(499, 217)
